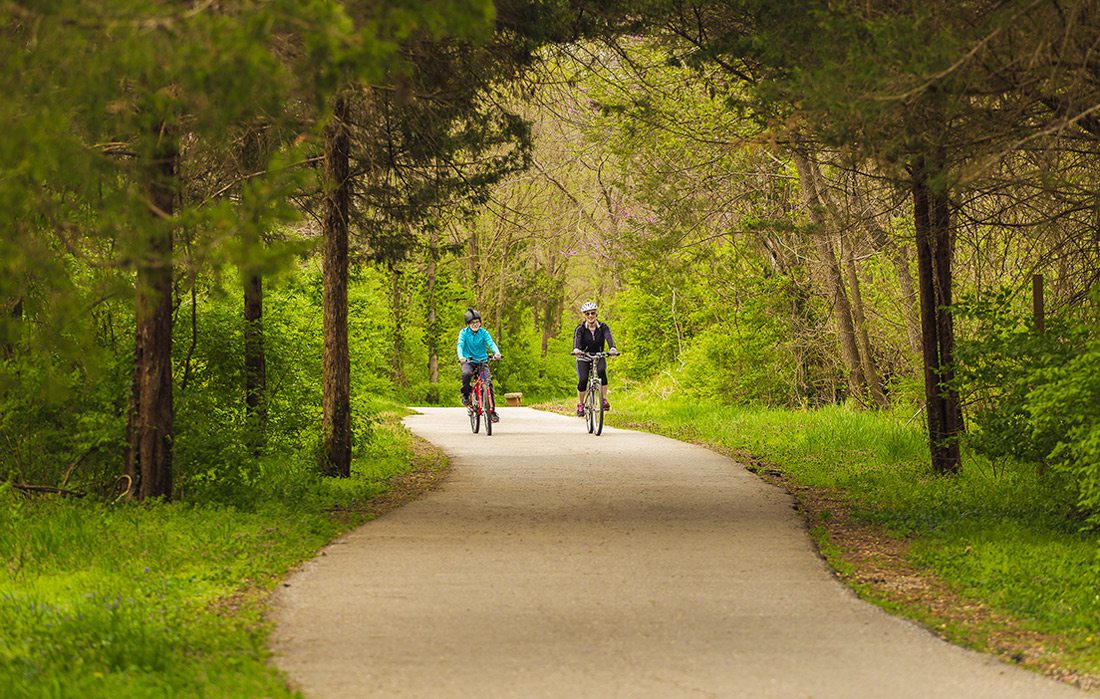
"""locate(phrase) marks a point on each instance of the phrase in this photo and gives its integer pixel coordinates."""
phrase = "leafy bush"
(1033, 396)
(62, 422)
(1064, 406)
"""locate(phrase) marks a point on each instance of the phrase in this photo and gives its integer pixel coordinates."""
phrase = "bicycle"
(481, 398)
(593, 395)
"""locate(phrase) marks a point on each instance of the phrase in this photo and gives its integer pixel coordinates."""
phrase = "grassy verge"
(167, 600)
(993, 558)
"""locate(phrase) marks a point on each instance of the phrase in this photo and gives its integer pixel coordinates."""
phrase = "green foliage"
(1063, 408)
(58, 420)
(1034, 570)
(1034, 396)
(745, 343)
(166, 600)
(214, 445)
(526, 371)
(63, 380)
(750, 355)
(106, 601)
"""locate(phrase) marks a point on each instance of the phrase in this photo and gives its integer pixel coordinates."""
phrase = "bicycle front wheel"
(475, 410)
(590, 410)
(599, 413)
(489, 409)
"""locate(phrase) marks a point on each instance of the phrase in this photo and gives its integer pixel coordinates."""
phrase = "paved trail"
(552, 563)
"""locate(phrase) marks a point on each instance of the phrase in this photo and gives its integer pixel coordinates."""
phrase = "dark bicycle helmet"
(471, 316)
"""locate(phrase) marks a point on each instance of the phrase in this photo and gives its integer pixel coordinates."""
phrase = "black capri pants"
(585, 366)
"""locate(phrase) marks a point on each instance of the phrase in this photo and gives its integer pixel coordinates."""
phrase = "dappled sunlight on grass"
(164, 600)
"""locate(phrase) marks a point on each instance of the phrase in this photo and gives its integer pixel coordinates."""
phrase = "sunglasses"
(590, 313)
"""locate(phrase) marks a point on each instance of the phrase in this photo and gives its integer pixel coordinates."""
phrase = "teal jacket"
(475, 345)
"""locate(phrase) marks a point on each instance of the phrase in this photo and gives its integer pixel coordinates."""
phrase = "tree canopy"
(784, 203)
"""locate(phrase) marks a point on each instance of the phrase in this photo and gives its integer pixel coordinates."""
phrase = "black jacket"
(593, 341)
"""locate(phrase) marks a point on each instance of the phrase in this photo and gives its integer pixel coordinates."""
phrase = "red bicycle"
(482, 402)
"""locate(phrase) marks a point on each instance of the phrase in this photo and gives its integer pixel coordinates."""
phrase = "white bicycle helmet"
(588, 306)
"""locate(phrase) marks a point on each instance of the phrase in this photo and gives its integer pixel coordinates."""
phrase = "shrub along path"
(554, 563)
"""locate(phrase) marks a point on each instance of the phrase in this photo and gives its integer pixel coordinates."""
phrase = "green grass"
(1000, 533)
(165, 600)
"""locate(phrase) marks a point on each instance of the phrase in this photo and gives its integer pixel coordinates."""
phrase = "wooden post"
(1037, 305)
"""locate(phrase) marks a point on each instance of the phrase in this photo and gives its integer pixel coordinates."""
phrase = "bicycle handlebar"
(488, 359)
(591, 356)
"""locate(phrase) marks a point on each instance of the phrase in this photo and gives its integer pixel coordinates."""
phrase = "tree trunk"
(336, 409)
(899, 256)
(909, 297)
(397, 297)
(474, 262)
(502, 288)
(935, 249)
(7, 342)
(831, 279)
(432, 331)
(547, 326)
(859, 322)
(255, 363)
(149, 428)
(871, 379)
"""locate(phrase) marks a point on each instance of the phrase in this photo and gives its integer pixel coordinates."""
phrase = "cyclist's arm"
(489, 342)
(460, 345)
(609, 338)
(577, 339)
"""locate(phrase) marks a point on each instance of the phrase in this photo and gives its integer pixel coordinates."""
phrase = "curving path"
(552, 563)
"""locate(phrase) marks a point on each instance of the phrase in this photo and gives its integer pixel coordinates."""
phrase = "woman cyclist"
(474, 344)
(589, 337)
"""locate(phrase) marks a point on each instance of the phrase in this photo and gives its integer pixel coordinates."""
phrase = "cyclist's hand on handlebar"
(613, 351)
(497, 355)
(576, 351)
(463, 360)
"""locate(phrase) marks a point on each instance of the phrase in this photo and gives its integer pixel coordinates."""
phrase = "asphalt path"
(554, 563)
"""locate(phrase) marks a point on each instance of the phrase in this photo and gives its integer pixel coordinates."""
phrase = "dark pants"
(583, 367)
(468, 371)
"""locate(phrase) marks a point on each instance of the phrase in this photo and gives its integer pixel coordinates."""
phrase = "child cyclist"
(474, 345)
(589, 337)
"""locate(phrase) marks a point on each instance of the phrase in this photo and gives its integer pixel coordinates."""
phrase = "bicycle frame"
(593, 394)
(482, 402)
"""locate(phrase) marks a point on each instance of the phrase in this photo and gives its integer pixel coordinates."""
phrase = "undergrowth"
(166, 599)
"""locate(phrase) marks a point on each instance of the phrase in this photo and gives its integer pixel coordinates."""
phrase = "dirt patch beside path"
(877, 566)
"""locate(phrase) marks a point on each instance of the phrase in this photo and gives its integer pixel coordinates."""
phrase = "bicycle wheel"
(489, 408)
(475, 409)
(599, 413)
(590, 410)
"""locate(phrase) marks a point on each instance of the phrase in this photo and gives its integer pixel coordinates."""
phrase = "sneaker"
(606, 406)
(580, 409)
(466, 401)
(496, 418)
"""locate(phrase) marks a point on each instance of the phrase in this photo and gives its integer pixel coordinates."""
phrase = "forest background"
(233, 235)
(213, 255)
